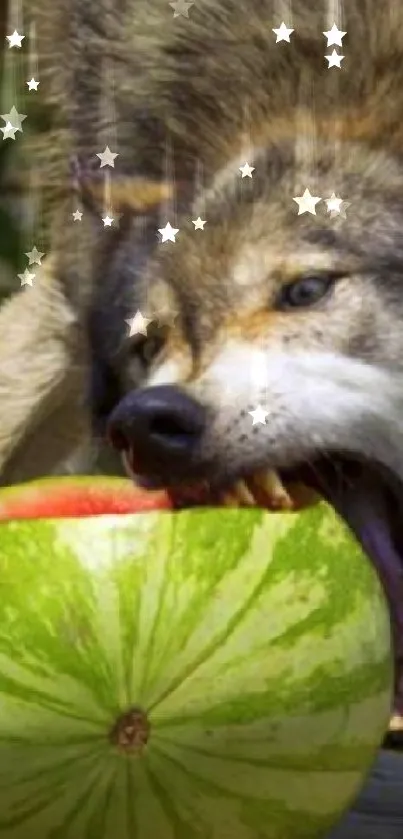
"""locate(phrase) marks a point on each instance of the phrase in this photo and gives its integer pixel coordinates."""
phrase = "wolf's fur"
(221, 92)
(329, 376)
(217, 90)
(192, 100)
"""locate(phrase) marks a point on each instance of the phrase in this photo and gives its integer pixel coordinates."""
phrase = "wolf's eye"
(305, 292)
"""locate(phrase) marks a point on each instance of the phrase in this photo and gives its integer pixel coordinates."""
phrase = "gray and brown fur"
(204, 94)
(213, 88)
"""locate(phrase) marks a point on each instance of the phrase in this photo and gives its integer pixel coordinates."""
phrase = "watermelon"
(192, 674)
(82, 496)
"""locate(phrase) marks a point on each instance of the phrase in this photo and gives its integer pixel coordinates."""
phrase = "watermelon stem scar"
(131, 731)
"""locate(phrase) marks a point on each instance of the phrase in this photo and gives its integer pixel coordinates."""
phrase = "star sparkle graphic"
(15, 40)
(336, 206)
(334, 36)
(35, 256)
(334, 60)
(77, 215)
(138, 324)
(282, 33)
(259, 415)
(168, 232)
(15, 118)
(246, 170)
(165, 316)
(26, 278)
(307, 203)
(199, 223)
(32, 84)
(9, 131)
(108, 221)
(181, 7)
(107, 157)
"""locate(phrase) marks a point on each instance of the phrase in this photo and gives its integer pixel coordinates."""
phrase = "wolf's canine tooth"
(303, 496)
(229, 499)
(127, 464)
(271, 483)
(244, 494)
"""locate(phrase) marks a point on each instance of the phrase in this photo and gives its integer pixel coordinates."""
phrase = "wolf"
(271, 336)
(296, 313)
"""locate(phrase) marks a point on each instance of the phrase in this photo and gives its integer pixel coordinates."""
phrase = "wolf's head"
(297, 315)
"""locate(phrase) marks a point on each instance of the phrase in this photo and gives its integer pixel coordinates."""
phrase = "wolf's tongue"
(364, 508)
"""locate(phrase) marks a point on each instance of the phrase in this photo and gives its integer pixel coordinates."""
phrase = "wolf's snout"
(160, 427)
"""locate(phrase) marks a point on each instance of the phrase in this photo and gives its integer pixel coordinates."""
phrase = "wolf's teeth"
(244, 494)
(303, 496)
(127, 464)
(229, 500)
(271, 483)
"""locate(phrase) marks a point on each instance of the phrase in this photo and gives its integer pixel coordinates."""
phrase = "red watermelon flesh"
(78, 497)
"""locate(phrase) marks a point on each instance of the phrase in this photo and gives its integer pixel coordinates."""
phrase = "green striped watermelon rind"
(257, 644)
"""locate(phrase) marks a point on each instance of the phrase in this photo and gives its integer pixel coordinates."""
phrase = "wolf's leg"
(43, 380)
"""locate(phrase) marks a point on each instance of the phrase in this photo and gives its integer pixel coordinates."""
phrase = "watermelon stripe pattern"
(258, 645)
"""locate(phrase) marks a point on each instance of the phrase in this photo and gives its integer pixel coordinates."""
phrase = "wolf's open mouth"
(367, 497)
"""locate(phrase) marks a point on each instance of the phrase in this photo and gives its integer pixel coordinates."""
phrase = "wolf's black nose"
(161, 426)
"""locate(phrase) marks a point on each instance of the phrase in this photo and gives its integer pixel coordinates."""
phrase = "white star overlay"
(282, 33)
(32, 84)
(334, 203)
(9, 131)
(15, 40)
(334, 36)
(181, 7)
(108, 221)
(259, 415)
(306, 203)
(15, 118)
(334, 60)
(336, 206)
(165, 316)
(199, 223)
(77, 215)
(138, 324)
(246, 170)
(35, 256)
(168, 233)
(26, 278)
(107, 157)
